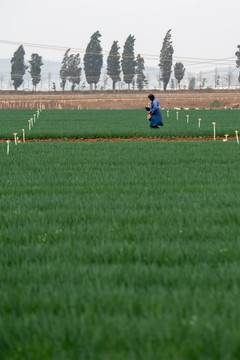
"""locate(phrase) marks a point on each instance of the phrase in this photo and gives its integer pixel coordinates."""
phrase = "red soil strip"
(126, 139)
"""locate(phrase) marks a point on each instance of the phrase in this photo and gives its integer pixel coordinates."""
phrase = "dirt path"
(190, 139)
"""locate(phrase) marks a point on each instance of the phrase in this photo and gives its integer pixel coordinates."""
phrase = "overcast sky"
(206, 29)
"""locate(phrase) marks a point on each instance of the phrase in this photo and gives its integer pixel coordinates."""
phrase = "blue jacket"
(156, 115)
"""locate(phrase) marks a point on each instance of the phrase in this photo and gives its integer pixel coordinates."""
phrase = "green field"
(117, 123)
(124, 250)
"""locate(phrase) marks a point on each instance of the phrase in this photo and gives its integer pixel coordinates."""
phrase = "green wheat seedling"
(120, 250)
(118, 123)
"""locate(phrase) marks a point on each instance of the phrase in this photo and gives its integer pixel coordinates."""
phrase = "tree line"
(128, 66)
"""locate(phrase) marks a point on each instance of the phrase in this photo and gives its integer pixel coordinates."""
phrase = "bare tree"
(159, 79)
(238, 61)
(105, 80)
(2, 77)
(200, 77)
(28, 79)
(216, 78)
(229, 77)
(172, 84)
(49, 81)
(10, 85)
(147, 80)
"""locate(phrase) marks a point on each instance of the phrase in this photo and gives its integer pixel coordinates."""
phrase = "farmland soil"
(85, 100)
(189, 139)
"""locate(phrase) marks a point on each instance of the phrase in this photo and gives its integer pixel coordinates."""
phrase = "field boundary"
(140, 139)
(119, 100)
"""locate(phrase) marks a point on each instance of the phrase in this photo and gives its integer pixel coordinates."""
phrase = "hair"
(151, 97)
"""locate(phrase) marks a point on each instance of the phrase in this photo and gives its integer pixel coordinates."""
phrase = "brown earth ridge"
(98, 100)
(94, 140)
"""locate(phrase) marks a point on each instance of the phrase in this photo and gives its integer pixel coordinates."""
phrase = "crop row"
(118, 123)
(119, 250)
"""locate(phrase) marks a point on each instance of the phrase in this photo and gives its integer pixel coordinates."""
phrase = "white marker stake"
(214, 130)
(199, 121)
(15, 138)
(29, 124)
(236, 132)
(177, 114)
(37, 114)
(167, 113)
(8, 142)
(23, 135)
(187, 116)
(34, 117)
(226, 137)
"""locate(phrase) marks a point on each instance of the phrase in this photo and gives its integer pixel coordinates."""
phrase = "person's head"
(151, 97)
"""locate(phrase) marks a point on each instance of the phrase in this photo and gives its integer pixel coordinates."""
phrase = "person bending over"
(155, 112)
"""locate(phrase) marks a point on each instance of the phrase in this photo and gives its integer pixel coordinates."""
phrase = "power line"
(192, 61)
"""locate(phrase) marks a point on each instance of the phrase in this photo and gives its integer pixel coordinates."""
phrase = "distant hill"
(48, 66)
(50, 74)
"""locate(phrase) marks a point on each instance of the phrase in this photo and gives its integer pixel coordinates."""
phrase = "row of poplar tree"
(131, 67)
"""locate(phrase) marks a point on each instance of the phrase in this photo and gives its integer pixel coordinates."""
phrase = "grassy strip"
(117, 123)
(119, 251)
